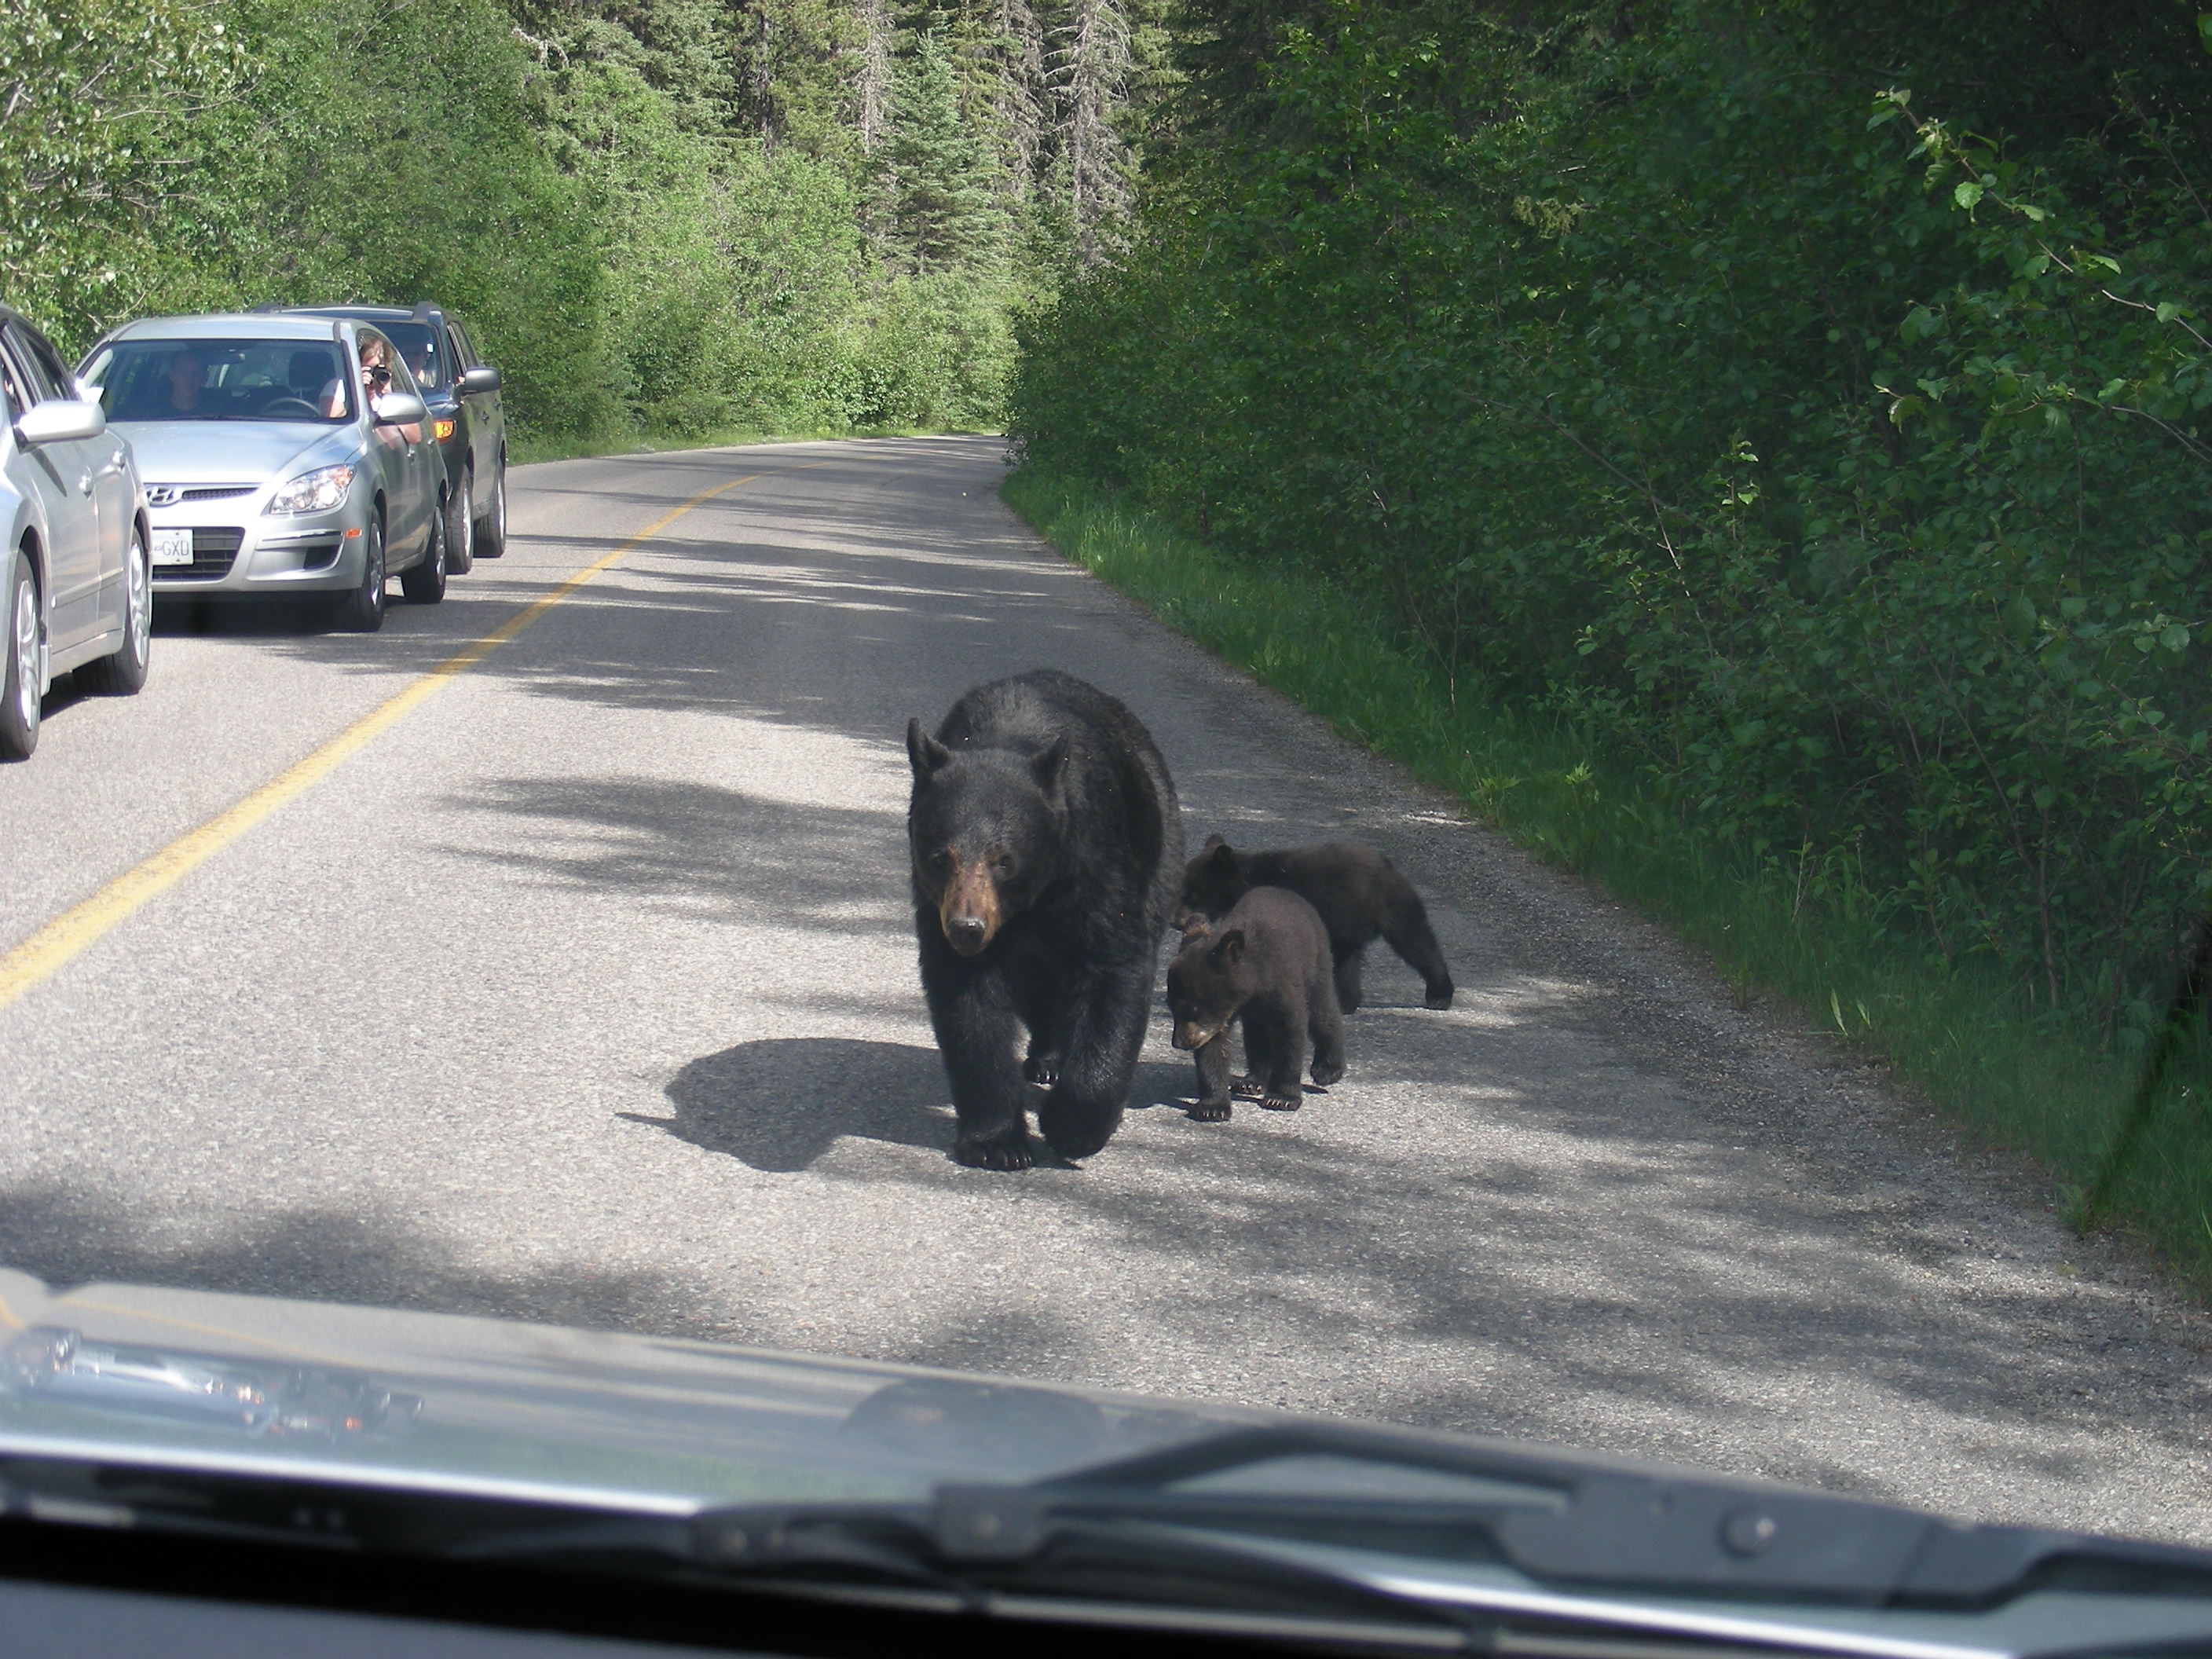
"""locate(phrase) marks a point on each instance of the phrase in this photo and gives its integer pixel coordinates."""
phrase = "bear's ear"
(1229, 949)
(1222, 855)
(1047, 767)
(1211, 841)
(924, 751)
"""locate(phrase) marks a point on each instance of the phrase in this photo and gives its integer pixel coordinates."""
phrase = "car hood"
(201, 1380)
(233, 451)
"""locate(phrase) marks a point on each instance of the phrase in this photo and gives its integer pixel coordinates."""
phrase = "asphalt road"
(585, 992)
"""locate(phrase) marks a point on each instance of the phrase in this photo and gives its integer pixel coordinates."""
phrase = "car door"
(486, 419)
(423, 463)
(113, 508)
(62, 477)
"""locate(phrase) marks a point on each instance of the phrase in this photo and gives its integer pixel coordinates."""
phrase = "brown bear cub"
(1265, 963)
(1358, 892)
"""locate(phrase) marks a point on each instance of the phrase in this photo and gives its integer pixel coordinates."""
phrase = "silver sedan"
(282, 457)
(73, 568)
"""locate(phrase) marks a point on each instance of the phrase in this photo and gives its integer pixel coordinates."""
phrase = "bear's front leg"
(1275, 1048)
(1105, 1025)
(1214, 1081)
(977, 1027)
(1350, 994)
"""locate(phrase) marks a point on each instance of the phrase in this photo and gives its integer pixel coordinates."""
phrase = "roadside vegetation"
(1756, 453)
(666, 220)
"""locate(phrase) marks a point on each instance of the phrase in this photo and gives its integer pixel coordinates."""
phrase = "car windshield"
(222, 379)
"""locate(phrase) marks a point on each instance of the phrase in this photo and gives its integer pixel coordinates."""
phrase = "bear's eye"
(941, 858)
(1005, 863)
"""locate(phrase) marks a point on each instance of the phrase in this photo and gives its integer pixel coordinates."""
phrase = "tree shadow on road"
(68, 1236)
(780, 1103)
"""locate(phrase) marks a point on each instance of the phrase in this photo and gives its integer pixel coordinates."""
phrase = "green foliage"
(1799, 926)
(97, 103)
(664, 217)
(1839, 471)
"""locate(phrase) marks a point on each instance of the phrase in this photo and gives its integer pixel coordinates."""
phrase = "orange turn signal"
(441, 430)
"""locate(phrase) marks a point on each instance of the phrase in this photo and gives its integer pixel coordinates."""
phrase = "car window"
(47, 362)
(423, 350)
(40, 385)
(12, 400)
(222, 379)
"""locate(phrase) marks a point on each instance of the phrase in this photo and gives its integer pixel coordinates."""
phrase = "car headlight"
(312, 492)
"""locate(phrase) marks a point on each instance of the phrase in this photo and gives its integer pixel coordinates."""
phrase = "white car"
(73, 571)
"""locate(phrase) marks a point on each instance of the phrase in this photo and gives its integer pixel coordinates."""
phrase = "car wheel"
(19, 683)
(125, 672)
(491, 529)
(461, 526)
(425, 583)
(362, 609)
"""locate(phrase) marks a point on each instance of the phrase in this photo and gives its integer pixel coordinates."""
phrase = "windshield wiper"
(1606, 1529)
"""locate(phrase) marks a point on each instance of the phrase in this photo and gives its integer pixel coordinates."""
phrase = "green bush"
(1838, 472)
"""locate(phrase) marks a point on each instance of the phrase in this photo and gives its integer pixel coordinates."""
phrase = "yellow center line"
(75, 931)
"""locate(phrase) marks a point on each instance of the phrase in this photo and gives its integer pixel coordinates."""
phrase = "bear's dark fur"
(1266, 963)
(1358, 891)
(1046, 849)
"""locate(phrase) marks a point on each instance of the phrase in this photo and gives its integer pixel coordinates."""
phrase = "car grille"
(213, 550)
(160, 495)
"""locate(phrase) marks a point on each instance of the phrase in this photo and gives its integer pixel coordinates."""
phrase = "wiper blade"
(1608, 1529)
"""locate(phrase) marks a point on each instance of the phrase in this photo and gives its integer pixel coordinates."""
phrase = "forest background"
(665, 218)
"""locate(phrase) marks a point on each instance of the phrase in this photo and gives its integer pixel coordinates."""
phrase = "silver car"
(73, 570)
(282, 457)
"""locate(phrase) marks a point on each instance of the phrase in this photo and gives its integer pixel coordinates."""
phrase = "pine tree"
(1090, 72)
(943, 207)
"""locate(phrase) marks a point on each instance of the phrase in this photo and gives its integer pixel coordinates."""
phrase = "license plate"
(172, 547)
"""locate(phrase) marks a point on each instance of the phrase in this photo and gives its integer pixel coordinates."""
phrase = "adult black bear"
(1358, 891)
(1047, 847)
(1265, 962)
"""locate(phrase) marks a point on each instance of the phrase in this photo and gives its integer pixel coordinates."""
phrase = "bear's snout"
(969, 913)
(1190, 1036)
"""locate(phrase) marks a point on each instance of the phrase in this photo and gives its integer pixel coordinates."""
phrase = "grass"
(524, 448)
(1796, 935)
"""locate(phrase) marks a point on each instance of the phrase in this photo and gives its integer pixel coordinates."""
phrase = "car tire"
(461, 526)
(425, 583)
(19, 675)
(491, 529)
(362, 609)
(124, 673)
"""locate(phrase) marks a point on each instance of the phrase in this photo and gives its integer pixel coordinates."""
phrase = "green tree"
(944, 213)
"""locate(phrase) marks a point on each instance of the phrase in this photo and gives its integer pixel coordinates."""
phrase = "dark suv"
(462, 392)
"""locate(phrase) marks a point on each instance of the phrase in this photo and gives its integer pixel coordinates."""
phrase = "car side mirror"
(399, 409)
(59, 421)
(483, 378)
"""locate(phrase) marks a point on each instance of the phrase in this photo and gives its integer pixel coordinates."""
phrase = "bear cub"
(1358, 892)
(1266, 963)
(1046, 847)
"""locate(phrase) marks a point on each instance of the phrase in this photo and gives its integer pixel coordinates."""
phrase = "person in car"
(188, 380)
(375, 365)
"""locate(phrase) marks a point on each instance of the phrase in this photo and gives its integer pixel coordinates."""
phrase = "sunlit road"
(585, 992)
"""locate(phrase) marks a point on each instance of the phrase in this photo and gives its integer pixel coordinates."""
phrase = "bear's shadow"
(779, 1105)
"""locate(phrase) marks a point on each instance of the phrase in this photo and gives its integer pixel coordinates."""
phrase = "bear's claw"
(1439, 998)
(999, 1152)
(1209, 1111)
(1042, 1072)
(1280, 1102)
(1246, 1088)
